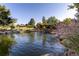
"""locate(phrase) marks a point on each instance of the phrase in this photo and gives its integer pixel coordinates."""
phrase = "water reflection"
(29, 44)
(31, 37)
(44, 40)
(38, 35)
(5, 44)
(51, 40)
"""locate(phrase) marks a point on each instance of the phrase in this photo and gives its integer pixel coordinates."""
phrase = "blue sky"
(24, 11)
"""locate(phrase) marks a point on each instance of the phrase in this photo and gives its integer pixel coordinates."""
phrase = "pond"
(31, 44)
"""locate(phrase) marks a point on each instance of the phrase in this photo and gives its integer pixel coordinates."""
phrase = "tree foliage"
(39, 25)
(32, 22)
(76, 6)
(5, 18)
(67, 21)
(44, 21)
(52, 21)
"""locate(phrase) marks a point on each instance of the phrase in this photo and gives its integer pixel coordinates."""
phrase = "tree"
(44, 22)
(12, 25)
(39, 26)
(67, 21)
(32, 22)
(5, 18)
(76, 6)
(52, 21)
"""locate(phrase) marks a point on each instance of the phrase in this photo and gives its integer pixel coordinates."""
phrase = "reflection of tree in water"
(51, 40)
(5, 44)
(44, 39)
(38, 35)
(31, 37)
(12, 36)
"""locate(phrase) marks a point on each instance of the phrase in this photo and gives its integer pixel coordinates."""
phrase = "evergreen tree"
(32, 22)
(44, 21)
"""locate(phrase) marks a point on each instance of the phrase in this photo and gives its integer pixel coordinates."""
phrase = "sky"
(23, 12)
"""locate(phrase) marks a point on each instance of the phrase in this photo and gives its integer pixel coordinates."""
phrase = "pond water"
(33, 44)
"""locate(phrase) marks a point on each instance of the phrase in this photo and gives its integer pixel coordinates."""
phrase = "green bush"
(72, 42)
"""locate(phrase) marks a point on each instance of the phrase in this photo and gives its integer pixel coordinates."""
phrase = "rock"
(70, 52)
